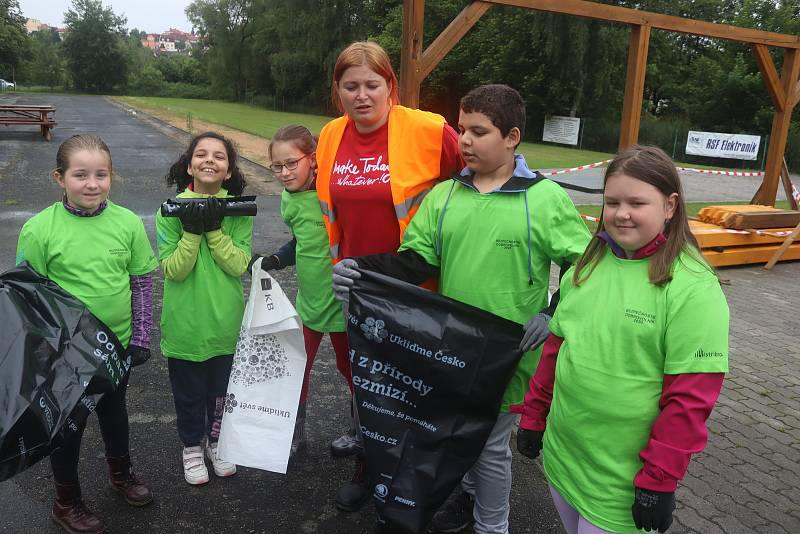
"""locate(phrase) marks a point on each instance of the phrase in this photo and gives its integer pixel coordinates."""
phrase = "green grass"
(557, 157)
(263, 122)
(251, 119)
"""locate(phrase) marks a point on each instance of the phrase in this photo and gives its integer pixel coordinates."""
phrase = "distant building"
(34, 25)
(170, 41)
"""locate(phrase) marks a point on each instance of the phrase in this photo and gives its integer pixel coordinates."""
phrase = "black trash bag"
(429, 374)
(56, 361)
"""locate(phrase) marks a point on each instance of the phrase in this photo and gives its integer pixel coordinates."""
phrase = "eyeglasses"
(290, 165)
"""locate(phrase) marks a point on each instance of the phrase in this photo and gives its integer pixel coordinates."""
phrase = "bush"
(185, 90)
(148, 81)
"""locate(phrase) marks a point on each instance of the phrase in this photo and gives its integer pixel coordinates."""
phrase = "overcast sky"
(152, 16)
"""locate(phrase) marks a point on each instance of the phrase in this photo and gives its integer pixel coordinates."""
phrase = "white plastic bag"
(266, 378)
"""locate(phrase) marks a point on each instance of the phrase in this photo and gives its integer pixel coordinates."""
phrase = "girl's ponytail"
(178, 174)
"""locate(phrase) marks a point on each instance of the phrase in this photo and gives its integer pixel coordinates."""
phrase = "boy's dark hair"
(502, 104)
(179, 176)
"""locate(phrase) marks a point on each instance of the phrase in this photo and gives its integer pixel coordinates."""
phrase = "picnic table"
(42, 116)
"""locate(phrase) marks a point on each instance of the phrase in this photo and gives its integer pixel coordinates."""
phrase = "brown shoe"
(71, 514)
(126, 483)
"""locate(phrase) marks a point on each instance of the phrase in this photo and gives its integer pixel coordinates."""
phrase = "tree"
(227, 28)
(14, 42)
(93, 46)
(46, 66)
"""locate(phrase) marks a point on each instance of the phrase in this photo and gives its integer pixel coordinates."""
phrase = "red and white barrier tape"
(690, 169)
(723, 173)
(579, 168)
(756, 232)
(589, 218)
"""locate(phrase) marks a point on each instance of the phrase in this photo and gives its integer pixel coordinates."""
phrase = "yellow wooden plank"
(747, 255)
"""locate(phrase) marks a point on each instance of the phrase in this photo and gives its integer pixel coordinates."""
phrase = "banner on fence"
(558, 129)
(723, 145)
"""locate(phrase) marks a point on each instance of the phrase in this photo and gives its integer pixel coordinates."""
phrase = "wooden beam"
(625, 15)
(783, 248)
(450, 36)
(796, 99)
(770, 75)
(780, 130)
(786, 178)
(634, 85)
(411, 51)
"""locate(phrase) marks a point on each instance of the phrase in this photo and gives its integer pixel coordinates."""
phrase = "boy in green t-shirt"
(490, 234)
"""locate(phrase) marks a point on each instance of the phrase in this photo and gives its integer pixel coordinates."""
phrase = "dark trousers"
(112, 414)
(198, 389)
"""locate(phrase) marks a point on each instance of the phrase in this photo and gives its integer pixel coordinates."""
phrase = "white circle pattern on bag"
(258, 359)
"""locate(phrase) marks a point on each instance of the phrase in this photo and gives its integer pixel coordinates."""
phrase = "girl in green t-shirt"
(635, 360)
(292, 153)
(203, 254)
(98, 252)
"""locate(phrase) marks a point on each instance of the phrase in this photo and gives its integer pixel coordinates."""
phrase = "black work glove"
(536, 332)
(529, 442)
(652, 510)
(138, 355)
(191, 216)
(213, 214)
(269, 263)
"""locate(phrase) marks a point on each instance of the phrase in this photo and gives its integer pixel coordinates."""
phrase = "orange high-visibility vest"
(415, 153)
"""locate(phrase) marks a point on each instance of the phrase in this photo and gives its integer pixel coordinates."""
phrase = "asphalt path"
(252, 501)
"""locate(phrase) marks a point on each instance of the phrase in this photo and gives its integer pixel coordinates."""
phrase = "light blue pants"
(489, 480)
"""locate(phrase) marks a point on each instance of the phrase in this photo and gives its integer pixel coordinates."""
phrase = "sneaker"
(194, 468)
(352, 496)
(456, 515)
(345, 445)
(221, 467)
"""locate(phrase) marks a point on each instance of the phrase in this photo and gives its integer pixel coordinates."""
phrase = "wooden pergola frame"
(784, 88)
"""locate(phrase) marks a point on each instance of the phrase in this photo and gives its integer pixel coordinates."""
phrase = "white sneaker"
(194, 468)
(221, 467)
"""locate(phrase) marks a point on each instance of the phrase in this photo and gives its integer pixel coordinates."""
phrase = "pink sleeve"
(536, 406)
(679, 430)
(451, 161)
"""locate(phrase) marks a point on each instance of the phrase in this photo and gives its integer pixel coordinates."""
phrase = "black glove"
(138, 355)
(652, 510)
(191, 216)
(269, 263)
(529, 442)
(213, 214)
(536, 332)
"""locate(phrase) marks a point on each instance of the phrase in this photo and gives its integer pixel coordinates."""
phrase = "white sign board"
(561, 130)
(722, 145)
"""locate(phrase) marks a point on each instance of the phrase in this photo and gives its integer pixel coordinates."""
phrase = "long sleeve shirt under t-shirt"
(361, 190)
(678, 432)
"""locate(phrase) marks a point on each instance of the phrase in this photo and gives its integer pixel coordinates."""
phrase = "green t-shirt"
(484, 252)
(622, 334)
(202, 314)
(92, 258)
(315, 303)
